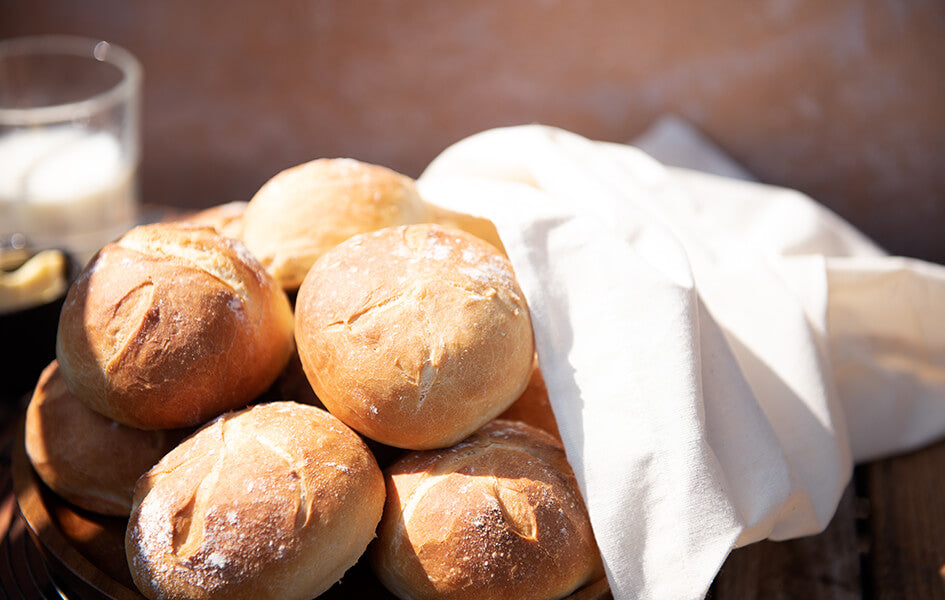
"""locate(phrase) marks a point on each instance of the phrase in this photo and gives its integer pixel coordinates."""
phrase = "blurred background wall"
(844, 100)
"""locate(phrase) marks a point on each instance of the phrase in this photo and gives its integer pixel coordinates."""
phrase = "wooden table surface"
(887, 540)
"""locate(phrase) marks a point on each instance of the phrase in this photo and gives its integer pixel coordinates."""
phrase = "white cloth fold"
(717, 352)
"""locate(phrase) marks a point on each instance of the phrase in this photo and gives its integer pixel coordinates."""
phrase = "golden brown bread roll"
(533, 406)
(172, 325)
(305, 210)
(87, 459)
(497, 516)
(292, 385)
(415, 336)
(273, 502)
(226, 219)
(483, 229)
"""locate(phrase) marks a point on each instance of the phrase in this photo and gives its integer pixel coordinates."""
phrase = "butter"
(39, 280)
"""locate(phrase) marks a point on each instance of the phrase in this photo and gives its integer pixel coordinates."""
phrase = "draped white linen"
(718, 353)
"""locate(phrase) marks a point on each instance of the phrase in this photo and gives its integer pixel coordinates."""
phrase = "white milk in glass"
(65, 187)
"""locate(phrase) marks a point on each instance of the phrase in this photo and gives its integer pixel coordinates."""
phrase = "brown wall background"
(844, 100)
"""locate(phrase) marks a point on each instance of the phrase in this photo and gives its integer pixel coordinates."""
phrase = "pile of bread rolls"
(195, 363)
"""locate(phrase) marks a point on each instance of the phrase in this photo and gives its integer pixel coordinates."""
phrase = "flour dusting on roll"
(415, 336)
(274, 502)
(496, 517)
(172, 325)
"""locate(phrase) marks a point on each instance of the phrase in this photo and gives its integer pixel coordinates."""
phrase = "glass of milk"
(69, 142)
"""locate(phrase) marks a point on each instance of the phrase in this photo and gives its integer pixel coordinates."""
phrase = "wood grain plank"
(820, 567)
(907, 525)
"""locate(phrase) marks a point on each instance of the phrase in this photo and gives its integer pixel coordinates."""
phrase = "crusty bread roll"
(87, 459)
(172, 325)
(292, 385)
(483, 229)
(273, 502)
(497, 516)
(415, 336)
(533, 406)
(305, 210)
(226, 219)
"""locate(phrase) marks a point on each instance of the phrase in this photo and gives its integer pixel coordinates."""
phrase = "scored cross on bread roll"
(415, 336)
(172, 325)
(274, 502)
(496, 517)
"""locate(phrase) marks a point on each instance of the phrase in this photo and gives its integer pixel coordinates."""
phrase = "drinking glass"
(69, 143)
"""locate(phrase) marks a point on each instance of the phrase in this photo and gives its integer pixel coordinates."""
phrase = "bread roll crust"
(272, 502)
(480, 227)
(226, 219)
(87, 459)
(497, 516)
(534, 406)
(305, 210)
(172, 325)
(415, 336)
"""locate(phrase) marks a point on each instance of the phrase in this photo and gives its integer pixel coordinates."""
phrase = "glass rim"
(68, 45)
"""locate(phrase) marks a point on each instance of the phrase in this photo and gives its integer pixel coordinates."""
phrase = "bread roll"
(274, 502)
(483, 229)
(533, 406)
(303, 211)
(292, 385)
(87, 459)
(498, 516)
(172, 325)
(40, 280)
(226, 219)
(415, 336)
